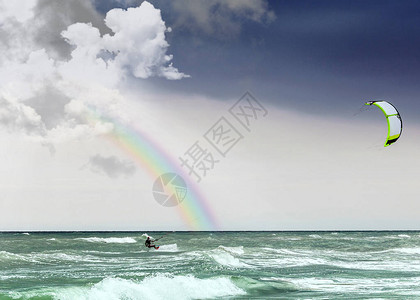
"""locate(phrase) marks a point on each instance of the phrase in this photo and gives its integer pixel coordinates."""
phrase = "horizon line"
(210, 231)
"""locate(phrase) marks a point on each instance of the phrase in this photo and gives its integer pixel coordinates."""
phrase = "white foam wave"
(234, 250)
(59, 257)
(168, 248)
(8, 256)
(415, 250)
(315, 236)
(101, 252)
(356, 285)
(54, 257)
(391, 259)
(271, 279)
(115, 240)
(282, 251)
(25, 233)
(154, 287)
(7, 277)
(225, 257)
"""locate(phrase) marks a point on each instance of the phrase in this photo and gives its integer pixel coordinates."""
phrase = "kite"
(393, 118)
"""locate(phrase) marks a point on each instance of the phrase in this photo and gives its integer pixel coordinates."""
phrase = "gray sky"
(72, 75)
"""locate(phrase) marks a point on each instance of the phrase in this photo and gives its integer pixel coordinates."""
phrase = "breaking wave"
(115, 240)
(168, 248)
(225, 256)
(154, 287)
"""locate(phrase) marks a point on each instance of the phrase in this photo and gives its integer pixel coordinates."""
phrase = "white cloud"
(20, 117)
(138, 46)
(86, 68)
(48, 94)
(19, 10)
(139, 42)
(21, 78)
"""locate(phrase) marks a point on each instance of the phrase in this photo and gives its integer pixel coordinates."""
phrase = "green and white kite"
(393, 118)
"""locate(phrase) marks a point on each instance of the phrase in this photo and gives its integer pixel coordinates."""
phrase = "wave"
(362, 286)
(265, 285)
(225, 256)
(155, 287)
(414, 250)
(234, 250)
(115, 240)
(102, 252)
(315, 236)
(8, 277)
(404, 250)
(55, 257)
(282, 251)
(12, 257)
(48, 258)
(168, 248)
(403, 258)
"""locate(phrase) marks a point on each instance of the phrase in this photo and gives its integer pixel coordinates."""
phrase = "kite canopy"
(393, 118)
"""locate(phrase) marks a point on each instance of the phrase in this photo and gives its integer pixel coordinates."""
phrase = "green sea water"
(210, 265)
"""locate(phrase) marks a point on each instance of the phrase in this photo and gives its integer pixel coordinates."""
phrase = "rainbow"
(194, 209)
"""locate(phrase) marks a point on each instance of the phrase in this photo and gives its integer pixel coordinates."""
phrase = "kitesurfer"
(149, 243)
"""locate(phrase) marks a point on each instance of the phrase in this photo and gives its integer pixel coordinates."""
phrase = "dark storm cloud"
(103, 6)
(111, 166)
(220, 19)
(316, 56)
(49, 104)
(374, 36)
(57, 16)
(335, 54)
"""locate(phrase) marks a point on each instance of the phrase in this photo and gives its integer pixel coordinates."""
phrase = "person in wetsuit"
(149, 243)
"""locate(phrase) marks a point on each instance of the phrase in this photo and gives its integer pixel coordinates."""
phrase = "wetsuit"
(148, 244)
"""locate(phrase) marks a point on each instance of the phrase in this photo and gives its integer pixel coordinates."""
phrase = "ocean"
(210, 265)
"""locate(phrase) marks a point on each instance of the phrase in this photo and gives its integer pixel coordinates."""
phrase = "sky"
(258, 106)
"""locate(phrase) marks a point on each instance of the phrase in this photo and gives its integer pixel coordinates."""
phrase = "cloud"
(139, 42)
(220, 18)
(54, 16)
(14, 10)
(60, 60)
(111, 166)
(17, 116)
(137, 46)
